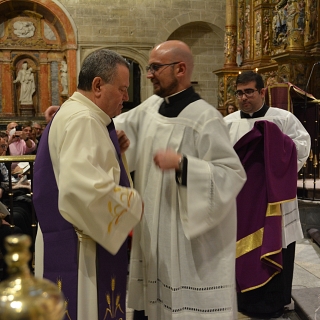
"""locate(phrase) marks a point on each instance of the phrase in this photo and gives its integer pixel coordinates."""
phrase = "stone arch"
(52, 39)
(215, 21)
(205, 37)
(142, 58)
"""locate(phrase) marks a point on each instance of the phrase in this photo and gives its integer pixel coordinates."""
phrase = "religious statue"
(26, 78)
(239, 55)
(64, 77)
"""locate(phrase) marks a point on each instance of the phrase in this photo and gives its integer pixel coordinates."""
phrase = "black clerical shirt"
(260, 113)
(173, 105)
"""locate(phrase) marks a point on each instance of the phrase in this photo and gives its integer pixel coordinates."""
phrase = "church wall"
(133, 27)
(78, 27)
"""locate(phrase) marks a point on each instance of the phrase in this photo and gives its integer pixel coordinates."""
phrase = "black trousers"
(273, 296)
(139, 315)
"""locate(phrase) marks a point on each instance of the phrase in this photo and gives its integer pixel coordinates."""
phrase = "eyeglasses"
(248, 92)
(154, 67)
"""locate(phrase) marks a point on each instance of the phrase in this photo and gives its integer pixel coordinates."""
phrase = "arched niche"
(44, 34)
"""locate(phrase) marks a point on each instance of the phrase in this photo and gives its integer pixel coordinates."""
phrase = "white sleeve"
(214, 179)
(300, 136)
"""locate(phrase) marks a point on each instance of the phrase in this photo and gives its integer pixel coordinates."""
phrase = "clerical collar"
(174, 104)
(258, 114)
(167, 99)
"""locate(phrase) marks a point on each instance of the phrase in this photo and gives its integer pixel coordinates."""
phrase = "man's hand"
(48, 114)
(124, 142)
(22, 135)
(167, 159)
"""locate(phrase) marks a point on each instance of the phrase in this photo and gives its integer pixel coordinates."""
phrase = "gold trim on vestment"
(260, 285)
(274, 208)
(265, 257)
(125, 164)
(249, 243)
(81, 235)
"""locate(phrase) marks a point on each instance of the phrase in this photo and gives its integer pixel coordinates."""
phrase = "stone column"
(6, 84)
(72, 70)
(44, 98)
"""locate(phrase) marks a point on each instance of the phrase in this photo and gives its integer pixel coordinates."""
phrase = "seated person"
(21, 215)
(22, 206)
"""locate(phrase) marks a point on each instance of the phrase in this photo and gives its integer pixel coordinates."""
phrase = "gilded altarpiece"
(37, 58)
(277, 38)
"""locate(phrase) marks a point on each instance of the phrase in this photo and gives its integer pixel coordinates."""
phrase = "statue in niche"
(26, 79)
(64, 77)
(279, 23)
(239, 55)
(24, 29)
(292, 15)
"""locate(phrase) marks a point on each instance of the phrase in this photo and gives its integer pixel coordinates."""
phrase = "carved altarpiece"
(40, 35)
(280, 39)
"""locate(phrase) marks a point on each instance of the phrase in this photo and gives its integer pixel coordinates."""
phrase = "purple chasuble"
(269, 158)
(61, 242)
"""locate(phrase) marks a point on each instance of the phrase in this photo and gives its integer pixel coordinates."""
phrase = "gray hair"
(101, 63)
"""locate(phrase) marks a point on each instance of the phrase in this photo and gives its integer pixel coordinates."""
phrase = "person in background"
(4, 146)
(19, 142)
(183, 252)
(21, 207)
(50, 111)
(38, 131)
(230, 106)
(33, 137)
(82, 194)
(283, 134)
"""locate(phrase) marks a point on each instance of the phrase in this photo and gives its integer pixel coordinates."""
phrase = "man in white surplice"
(269, 300)
(183, 254)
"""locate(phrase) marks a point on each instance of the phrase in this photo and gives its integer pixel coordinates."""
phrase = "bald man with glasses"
(274, 141)
(183, 252)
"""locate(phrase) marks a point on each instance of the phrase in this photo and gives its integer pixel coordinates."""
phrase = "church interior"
(43, 43)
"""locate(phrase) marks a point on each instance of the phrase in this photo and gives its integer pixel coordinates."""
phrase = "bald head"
(171, 67)
(11, 125)
(176, 50)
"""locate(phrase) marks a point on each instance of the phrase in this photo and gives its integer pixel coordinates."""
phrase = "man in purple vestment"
(82, 195)
(268, 222)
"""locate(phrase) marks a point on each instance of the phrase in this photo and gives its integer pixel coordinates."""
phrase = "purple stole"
(61, 242)
(269, 158)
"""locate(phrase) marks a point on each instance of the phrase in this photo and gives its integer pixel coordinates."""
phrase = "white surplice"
(292, 127)
(87, 173)
(183, 253)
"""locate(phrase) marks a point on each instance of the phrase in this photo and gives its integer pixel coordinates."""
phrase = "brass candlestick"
(22, 296)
